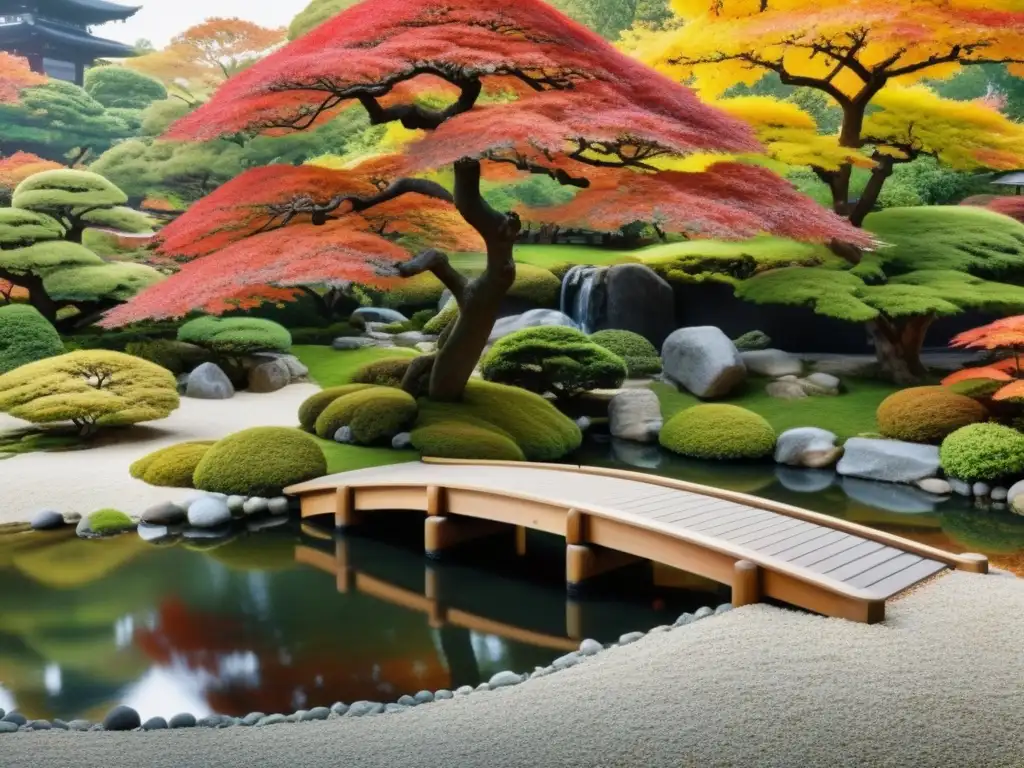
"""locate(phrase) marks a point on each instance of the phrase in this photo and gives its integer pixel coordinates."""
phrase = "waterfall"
(577, 297)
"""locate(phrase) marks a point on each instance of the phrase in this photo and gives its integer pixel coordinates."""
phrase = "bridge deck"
(811, 560)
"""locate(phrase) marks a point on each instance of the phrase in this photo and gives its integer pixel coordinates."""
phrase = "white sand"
(939, 684)
(84, 481)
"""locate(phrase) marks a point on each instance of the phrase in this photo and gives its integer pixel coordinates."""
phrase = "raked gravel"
(939, 684)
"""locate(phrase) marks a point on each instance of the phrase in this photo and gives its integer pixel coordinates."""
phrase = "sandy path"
(938, 685)
(84, 481)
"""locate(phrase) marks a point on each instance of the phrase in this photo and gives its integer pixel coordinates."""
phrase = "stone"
(296, 369)
(210, 721)
(683, 620)
(443, 694)
(8, 727)
(255, 505)
(121, 718)
(482, 687)
(154, 724)
(401, 441)
(209, 382)
(960, 488)
(1015, 490)
(365, 315)
(635, 414)
(892, 461)
(343, 435)
(167, 513)
(702, 613)
(802, 480)
(411, 338)
(72, 518)
(360, 708)
(316, 713)
(278, 505)
(40, 725)
(252, 718)
(529, 319)
(807, 447)
(390, 708)
(980, 489)
(79, 725)
(407, 700)
(703, 361)
(568, 660)
(772, 363)
(83, 530)
(381, 336)
(208, 513)
(642, 455)
(859, 367)
(903, 499)
(47, 520)
(589, 647)
(541, 672)
(463, 690)
(820, 383)
(637, 299)
(269, 377)
(236, 504)
(424, 697)
(935, 485)
(426, 347)
(275, 719)
(152, 532)
(504, 679)
(583, 422)
(346, 343)
(785, 390)
(723, 608)
(998, 493)
(630, 637)
(59, 724)
(1017, 505)
(183, 720)
(339, 708)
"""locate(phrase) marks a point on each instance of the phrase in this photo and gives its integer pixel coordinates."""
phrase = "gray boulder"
(1017, 489)
(209, 382)
(892, 461)
(296, 370)
(365, 315)
(269, 376)
(935, 485)
(637, 299)
(636, 454)
(807, 447)
(344, 343)
(703, 360)
(820, 384)
(772, 362)
(785, 390)
(401, 441)
(635, 414)
(530, 319)
(47, 520)
(208, 512)
(167, 513)
(343, 435)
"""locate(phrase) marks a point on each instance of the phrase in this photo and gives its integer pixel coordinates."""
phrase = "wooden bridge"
(611, 517)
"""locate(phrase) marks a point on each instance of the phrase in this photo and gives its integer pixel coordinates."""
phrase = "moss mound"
(542, 432)
(442, 319)
(25, 336)
(260, 462)
(718, 431)
(983, 452)
(387, 372)
(171, 467)
(641, 358)
(536, 285)
(110, 521)
(314, 405)
(374, 414)
(463, 440)
(927, 414)
(236, 335)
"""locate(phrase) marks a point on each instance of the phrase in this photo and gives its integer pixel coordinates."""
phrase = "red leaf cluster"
(15, 74)
(1009, 206)
(1004, 333)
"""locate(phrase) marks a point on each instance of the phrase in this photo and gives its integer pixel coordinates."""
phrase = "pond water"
(956, 525)
(293, 618)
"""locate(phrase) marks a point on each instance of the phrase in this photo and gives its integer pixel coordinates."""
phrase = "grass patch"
(847, 415)
(342, 458)
(330, 367)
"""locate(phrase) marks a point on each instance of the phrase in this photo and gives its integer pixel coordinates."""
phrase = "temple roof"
(81, 11)
(67, 37)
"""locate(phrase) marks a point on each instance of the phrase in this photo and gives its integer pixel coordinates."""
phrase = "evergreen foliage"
(983, 452)
(374, 414)
(25, 336)
(232, 336)
(718, 431)
(122, 88)
(260, 461)
(640, 356)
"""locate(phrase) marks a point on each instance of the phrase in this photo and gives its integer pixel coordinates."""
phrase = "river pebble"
(316, 713)
(630, 637)
(183, 720)
(272, 720)
(589, 647)
(121, 718)
(424, 697)
(154, 724)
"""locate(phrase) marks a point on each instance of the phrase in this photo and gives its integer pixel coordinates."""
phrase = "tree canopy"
(122, 88)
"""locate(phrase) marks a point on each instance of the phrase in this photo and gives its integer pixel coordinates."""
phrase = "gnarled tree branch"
(436, 262)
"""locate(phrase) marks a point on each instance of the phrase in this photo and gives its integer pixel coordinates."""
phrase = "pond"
(956, 525)
(293, 617)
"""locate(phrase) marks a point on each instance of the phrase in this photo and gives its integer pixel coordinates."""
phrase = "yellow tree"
(863, 55)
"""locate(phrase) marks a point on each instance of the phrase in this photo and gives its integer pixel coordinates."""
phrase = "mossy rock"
(752, 340)
(927, 414)
(260, 461)
(718, 431)
(374, 414)
(983, 453)
(171, 467)
(642, 359)
(535, 285)
(462, 440)
(314, 405)
(387, 372)
(109, 522)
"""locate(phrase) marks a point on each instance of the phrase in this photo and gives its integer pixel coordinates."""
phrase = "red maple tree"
(1012, 206)
(1002, 379)
(527, 88)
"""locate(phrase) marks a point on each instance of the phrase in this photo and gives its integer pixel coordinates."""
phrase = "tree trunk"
(898, 345)
(37, 295)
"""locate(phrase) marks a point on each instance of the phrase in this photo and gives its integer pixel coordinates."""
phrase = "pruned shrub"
(927, 414)
(25, 336)
(173, 466)
(640, 356)
(90, 388)
(314, 405)
(718, 431)
(232, 336)
(176, 356)
(536, 285)
(387, 372)
(983, 452)
(374, 414)
(551, 358)
(260, 461)
(462, 440)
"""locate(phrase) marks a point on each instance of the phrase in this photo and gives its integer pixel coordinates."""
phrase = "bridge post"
(345, 514)
(972, 563)
(443, 532)
(746, 583)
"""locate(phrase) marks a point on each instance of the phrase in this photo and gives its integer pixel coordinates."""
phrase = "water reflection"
(292, 618)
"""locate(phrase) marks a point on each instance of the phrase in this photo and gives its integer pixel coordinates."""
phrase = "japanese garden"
(565, 382)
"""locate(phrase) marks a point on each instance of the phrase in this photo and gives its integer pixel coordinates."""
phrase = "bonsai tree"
(481, 88)
(89, 388)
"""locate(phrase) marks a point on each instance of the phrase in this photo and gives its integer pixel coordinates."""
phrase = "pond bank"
(758, 686)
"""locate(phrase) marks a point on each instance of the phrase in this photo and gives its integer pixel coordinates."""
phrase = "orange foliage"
(982, 373)
(17, 167)
(15, 74)
(1012, 391)
(1007, 332)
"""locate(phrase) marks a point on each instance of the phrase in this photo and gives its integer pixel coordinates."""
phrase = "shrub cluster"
(173, 466)
(927, 414)
(374, 414)
(386, 372)
(315, 404)
(718, 431)
(983, 452)
(260, 461)
(641, 358)
(232, 336)
(25, 336)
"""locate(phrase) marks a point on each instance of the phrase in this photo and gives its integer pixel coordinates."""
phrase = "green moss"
(442, 319)
(236, 335)
(342, 457)
(173, 466)
(640, 356)
(461, 440)
(541, 431)
(552, 359)
(25, 336)
(323, 335)
(373, 414)
(535, 285)
(752, 340)
(387, 372)
(331, 367)
(718, 431)
(983, 452)
(314, 405)
(109, 521)
(260, 461)
(927, 414)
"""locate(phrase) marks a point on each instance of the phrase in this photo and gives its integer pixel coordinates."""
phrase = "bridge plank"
(908, 577)
(851, 570)
(761, 540)
(824, 553)
(883, 570)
